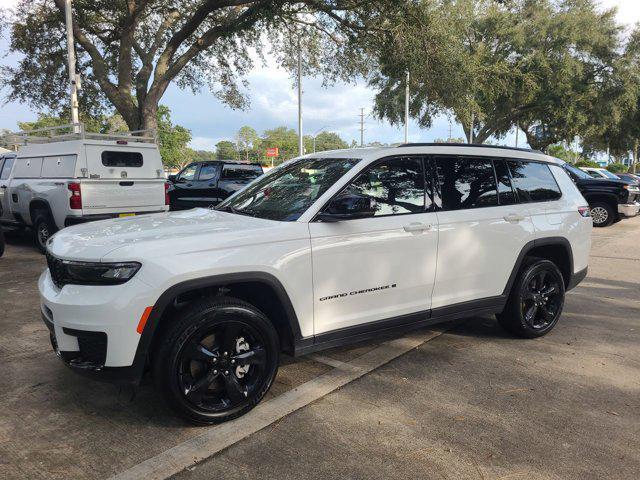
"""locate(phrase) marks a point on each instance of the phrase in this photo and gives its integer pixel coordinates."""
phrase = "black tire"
(1, 242)
(536, 300)
(602, 214)
(205, 390)
(43, 229)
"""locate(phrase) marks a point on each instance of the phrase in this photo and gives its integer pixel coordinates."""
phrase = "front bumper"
(629, 209)
(93, 328)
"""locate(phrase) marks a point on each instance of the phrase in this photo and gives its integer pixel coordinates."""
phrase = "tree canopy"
(129, 52)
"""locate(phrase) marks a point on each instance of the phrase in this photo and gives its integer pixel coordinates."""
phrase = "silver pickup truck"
(55, 181)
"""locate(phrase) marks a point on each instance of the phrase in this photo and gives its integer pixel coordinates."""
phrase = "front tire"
(602, 214)
(217, 361)
(536, 300)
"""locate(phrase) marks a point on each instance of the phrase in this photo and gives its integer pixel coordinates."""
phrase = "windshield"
(288, 191)
(608, 174)
(576, 171)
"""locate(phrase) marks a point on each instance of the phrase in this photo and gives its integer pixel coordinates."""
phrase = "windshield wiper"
(230, 209)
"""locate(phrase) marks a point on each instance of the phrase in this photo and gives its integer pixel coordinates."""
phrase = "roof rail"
(74, 131)
(474, 145)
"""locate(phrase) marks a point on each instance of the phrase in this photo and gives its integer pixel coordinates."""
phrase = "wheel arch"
(609, 198)
(38, 204)
(259, 288)
(556, 249)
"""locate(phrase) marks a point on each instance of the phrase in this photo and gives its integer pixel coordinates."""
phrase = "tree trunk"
(635, 156)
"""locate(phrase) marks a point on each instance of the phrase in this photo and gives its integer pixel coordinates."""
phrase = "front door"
(184, 188)
(5, 201)
(371, 269)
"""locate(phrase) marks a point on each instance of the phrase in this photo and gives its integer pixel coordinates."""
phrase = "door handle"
(4, 187)
(513, 218)
(212, 184)
(417, 227)
(189, 185)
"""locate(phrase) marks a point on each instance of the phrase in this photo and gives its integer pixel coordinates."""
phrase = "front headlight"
(88, 273)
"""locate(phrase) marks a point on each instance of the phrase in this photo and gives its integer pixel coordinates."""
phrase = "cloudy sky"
(274, 103)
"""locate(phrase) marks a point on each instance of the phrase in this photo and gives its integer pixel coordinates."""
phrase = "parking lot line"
(219, 437)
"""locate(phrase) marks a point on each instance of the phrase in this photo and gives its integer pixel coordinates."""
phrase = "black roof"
(232, 162)
(474, 145)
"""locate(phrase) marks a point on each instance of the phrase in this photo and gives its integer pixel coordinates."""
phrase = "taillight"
(166, 193)
(584, 211)
(75, 201)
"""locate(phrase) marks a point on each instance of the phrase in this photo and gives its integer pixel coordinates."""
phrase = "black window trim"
(424, 160)
(195, 176)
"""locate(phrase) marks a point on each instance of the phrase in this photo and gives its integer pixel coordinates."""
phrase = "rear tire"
(217, 360)
(602, 214)
(536, 300)
(43, 229)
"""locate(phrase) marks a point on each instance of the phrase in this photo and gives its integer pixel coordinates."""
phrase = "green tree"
(617, 167)
(248, 143)
(328, 141)
(587, 163)
(542, 65)
(130, 52)
(226, 150)
(286, 139)
(173, 140)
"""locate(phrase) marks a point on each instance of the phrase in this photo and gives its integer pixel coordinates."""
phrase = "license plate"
(127, 215)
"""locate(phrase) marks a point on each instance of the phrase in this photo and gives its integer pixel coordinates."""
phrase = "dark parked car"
(205, 184)
(609, 199)
(629, 177)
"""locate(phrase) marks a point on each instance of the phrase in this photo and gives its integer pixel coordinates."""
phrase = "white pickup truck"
(55, 181)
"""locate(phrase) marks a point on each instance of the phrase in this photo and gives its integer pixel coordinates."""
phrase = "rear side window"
(241, 172)
(466, 183)
(396, 184)
(534, 182)
(121, 159)
(6, 170)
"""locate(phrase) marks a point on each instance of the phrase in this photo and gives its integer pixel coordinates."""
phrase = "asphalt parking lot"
(471, 402)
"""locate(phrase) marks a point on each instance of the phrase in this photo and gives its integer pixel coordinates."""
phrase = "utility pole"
(471, 131)
(517, 131)
(362, 127)
(71, 61)
(300, 136)
(406, 110)
(449, 139)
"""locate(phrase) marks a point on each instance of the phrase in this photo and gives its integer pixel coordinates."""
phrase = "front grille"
(56, 269)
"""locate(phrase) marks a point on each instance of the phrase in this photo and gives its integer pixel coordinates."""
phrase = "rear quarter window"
(241, 172)
(121, 159)
(533, 182)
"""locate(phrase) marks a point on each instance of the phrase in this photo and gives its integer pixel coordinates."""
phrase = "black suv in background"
(205, 184)
(609, 199)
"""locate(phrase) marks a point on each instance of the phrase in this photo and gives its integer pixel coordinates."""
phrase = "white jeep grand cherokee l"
(325, 250)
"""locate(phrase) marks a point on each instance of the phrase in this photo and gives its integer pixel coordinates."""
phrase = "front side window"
(6, 170)
(466, 183)
(286, 192)
(208, 171)
(189, 173)
(120, 159)
(534, 182)
(396, 185)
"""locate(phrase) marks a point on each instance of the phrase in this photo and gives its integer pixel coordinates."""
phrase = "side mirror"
(348, 207)
(172, 178)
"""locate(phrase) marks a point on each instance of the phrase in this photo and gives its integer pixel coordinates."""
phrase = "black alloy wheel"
(536, 300)
(218, 361)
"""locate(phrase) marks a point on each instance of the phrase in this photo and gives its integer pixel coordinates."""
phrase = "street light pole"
(314, 137)
(71, 61)
(406, 110)
(300, 138)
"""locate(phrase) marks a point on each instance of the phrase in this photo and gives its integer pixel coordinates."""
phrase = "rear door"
(122, 179)
(235, 177)
(206, 186)
(482, 229)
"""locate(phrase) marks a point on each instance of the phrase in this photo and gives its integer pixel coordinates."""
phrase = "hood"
(605, 181)
(171, 232)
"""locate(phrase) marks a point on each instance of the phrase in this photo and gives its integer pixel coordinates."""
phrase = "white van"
(55, 181)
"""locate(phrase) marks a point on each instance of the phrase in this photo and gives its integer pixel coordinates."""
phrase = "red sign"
(272, 152)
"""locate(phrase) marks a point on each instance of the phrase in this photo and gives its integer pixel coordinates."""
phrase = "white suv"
(325, 250)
